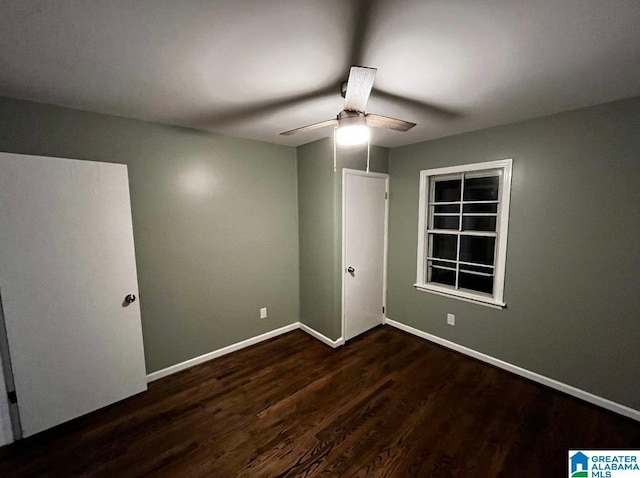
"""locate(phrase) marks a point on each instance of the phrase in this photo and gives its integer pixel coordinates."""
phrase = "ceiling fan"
(352, 121)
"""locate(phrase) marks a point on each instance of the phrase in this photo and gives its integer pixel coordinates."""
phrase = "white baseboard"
(220, 352)
(322, 338)
(549, 382)
(240, 345)
(5, 438)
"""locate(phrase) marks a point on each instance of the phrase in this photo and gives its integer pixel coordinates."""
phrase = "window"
(463, 223)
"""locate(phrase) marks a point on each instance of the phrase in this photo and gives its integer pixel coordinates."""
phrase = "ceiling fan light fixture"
(352, 122)
(352, 135)
(352, 130)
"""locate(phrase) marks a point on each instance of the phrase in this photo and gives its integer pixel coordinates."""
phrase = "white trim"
(241, 345)
(385, 176)
(503, 235)
(386, 249)
(497, 164)
(460, 295)
(453, 232)
(549, 382)
(497, 300)
(422, 220)
(5, 439)
(322, 338)
(220, 352)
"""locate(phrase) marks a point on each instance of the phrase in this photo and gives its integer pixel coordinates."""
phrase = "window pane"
(448, 208)
(483, 269)
(479, 223)
(476, 282)
(448, 190)
(481, 189)
(442, 276)
(479, 250)
(451, 265)
(444, 246)
(479, 208)
(446, 222)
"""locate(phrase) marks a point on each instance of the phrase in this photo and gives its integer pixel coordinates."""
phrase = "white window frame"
(502, 228)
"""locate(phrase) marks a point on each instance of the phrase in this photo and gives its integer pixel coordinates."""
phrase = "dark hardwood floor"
(386, 404)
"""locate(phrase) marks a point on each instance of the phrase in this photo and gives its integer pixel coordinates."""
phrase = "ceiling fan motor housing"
(347, 118)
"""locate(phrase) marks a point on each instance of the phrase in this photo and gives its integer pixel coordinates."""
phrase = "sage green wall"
(320, 229)
(573, 266)
(214, 219)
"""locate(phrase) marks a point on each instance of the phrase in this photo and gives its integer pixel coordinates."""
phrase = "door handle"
(129, 299)
(350, 270)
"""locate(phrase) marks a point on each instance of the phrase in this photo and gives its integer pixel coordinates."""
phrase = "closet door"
(67, 264)
(364, 245)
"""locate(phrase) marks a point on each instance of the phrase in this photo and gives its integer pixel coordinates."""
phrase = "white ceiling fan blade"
(379, 121)
(359, 88)
(322, 124)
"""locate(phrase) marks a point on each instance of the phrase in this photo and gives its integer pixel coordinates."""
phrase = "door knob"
(130, 298)
(350, 270)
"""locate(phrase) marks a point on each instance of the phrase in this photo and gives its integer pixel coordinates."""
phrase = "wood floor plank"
(387, 404)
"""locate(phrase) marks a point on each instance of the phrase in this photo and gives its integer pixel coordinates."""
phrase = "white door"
(66, 265)
(364, 245)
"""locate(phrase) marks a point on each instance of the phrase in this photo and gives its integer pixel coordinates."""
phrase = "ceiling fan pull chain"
(368, 151)
(335, 130)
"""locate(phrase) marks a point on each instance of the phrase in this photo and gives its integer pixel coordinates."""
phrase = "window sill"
(460, 295)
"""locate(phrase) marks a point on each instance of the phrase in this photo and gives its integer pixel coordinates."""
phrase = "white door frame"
(385, 176)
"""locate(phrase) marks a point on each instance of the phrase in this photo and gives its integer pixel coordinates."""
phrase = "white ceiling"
(254, 68)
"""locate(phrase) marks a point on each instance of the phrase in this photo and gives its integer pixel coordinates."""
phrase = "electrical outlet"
(451, 319)
(263, 313)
